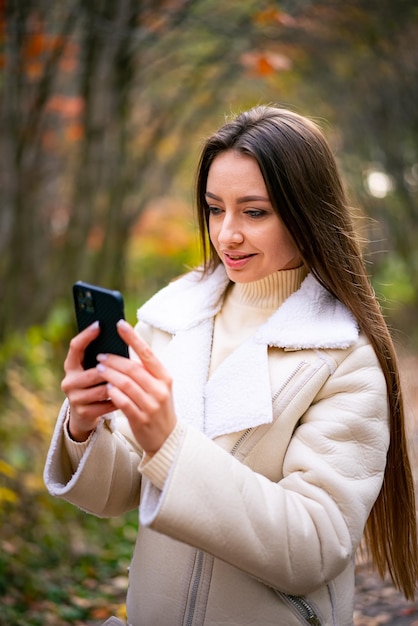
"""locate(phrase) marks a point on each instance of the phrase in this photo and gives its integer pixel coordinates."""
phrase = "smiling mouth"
(237, 257)
(236, 261)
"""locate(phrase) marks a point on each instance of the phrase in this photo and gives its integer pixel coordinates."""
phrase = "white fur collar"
(310, 318)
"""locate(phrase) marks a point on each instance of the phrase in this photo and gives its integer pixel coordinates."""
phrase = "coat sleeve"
(299, 533)
(106, 481)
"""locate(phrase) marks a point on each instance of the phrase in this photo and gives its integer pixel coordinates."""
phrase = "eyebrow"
(240, 200)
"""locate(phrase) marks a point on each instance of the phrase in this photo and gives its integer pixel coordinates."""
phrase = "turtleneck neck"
(269, 292)
(247, 306)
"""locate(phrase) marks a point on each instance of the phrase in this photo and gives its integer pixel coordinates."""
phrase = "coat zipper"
(288, 379)
(302, 607)
(194, 588)
(276, 395)
(240, 440)
(199, 557)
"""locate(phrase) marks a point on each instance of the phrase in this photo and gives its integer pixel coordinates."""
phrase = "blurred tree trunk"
(98, 101)
(24, 241)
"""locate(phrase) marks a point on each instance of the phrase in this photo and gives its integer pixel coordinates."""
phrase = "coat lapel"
(238, 394)
(187, 359)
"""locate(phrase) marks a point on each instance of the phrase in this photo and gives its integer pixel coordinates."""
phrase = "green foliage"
(57, 565)
(393, 283)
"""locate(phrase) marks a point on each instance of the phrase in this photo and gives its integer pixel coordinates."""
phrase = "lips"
(235, 257)
(235, 260)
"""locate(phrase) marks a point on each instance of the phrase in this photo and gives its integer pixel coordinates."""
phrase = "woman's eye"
(254, 213)
(214, 210)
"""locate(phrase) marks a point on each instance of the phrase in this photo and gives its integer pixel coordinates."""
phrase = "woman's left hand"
(141, 389)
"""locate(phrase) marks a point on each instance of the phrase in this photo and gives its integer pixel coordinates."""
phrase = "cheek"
(283, 247)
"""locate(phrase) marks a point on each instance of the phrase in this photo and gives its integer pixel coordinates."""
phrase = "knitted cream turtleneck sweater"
(247, 306)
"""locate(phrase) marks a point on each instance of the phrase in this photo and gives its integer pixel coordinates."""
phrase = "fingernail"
(100, 367)
(94, 326)
(101, 357)
(122, 324)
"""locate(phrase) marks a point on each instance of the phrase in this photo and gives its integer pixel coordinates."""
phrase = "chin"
(236, 277)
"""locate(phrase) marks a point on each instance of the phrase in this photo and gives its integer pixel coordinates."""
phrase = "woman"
(260, 425)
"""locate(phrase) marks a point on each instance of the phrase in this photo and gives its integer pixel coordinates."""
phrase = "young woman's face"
(249, 237)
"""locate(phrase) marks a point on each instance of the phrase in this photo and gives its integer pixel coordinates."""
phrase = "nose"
(230, 231)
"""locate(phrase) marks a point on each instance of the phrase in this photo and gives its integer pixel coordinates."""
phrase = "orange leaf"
(266, 16)
(34, 69)
(100, 612)
(35, 45)
(74, 133)
(264, 67)
(66, 106)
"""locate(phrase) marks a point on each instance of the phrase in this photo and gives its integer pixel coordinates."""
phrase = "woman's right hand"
(88, 398)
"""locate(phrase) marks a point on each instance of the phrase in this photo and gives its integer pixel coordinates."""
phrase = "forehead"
(233, 168)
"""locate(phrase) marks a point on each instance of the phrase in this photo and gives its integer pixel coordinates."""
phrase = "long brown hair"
(306, 191)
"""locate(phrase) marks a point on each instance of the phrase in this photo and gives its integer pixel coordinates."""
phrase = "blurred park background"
(103, 108)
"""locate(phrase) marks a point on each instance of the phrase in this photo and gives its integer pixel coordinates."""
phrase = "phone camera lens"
(80, 301)
(89, 303)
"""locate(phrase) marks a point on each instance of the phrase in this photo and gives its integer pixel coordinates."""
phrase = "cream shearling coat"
(254, 515)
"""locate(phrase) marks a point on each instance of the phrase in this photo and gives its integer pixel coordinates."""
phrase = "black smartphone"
(97, 303)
